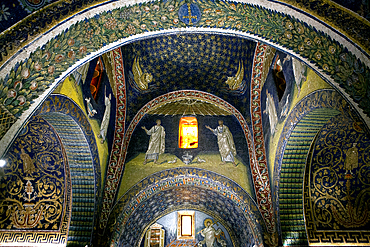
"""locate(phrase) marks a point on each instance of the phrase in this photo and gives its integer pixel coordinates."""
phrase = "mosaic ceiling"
(216, 64)
(231, 76)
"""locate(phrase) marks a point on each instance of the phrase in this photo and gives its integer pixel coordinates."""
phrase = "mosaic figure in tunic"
(271, 111)
(225, 142)
(211, 235)
(105, 122)
(156, 142)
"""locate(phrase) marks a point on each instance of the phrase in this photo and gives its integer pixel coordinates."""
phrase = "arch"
(115, 169)
(138, 201)
(311, 112)
(73, 128)
(292, 175)
(267, 22)
(329, 172)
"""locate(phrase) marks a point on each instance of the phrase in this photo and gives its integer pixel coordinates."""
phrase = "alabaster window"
(185, 225)
(188, 132)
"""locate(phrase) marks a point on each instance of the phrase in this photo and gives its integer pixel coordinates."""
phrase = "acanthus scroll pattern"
(339, 184)
(32, 188)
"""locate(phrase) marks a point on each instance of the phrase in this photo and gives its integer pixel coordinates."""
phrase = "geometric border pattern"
(63, 104)
(82, 177)
(56, 103)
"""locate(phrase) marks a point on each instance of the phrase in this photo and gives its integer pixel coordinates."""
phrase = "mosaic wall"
(188, 198)
(221, 187)
(115, 170)
(169, 223)
(35, 195)
(336, 198)
(202, 62)
(31, 77)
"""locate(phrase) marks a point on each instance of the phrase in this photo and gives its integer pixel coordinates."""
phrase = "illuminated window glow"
(188, 132)
(186, 225)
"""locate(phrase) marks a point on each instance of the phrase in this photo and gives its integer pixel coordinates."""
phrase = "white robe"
(156, 142)
(225, 142)
(105, 123)
(271, 109)
(209, 233)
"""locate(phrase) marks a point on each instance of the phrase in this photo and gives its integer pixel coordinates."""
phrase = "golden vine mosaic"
(337, 188)
(33, 187)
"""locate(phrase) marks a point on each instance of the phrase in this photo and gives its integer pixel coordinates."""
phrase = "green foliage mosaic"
(31, 77)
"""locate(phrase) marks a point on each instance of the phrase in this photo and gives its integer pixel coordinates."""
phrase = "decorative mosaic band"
(259, 169)
(115, 165)
(179, 177)
(116, 169)
(291, 179)
(41, 21)
(326, 98)
(30, 78)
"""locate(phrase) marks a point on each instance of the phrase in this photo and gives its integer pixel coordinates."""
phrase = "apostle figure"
(156, 142)
(225, 142)
(351, 161)
(105, 122)
(210, 235)
(271, 111)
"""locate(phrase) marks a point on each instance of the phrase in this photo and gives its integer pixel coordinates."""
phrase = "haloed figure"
(225, 142)
(211, 235)
(156, 142)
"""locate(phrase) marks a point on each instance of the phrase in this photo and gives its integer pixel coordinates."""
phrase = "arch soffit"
(62, 104)
(326, 98)
(344, 51)
(76, 6)
(177, 178)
